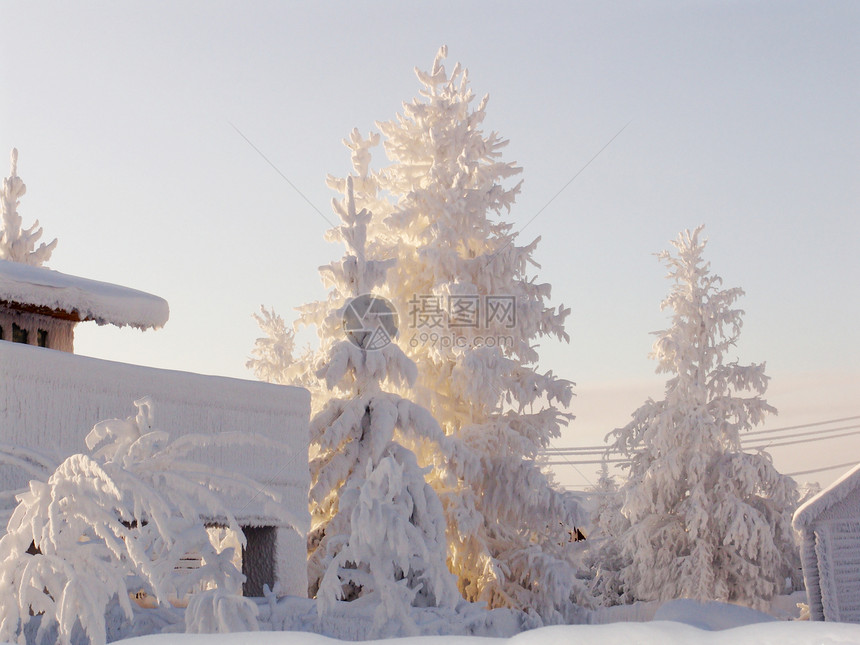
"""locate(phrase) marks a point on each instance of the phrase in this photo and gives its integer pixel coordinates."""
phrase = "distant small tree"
(603, 548)
(119, 519)
(17, 243)
(707, 520)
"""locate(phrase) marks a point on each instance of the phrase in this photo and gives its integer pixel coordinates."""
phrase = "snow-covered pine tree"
(603, 549)
(707, 520)
(434, 209)
(378, 529)
(17, 243)
(475, 314)
(119, 519)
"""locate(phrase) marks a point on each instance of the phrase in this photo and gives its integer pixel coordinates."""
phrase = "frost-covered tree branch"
(118, 520)
(17, 243)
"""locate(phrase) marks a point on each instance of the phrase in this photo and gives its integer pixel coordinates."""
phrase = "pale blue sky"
(743, 115)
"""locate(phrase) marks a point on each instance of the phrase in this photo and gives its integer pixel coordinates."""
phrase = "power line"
(811, 439)
(561, 190)
(582, 463)
(588, 490)
(780, 444)
(574, 450)
(847, 464)
(805, 425)
(567, 462)
(283, 176)
(822, 434)
(802, 434)
(819, 470)
(758, 443)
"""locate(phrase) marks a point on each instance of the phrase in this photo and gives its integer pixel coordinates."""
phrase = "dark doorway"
(258, 559)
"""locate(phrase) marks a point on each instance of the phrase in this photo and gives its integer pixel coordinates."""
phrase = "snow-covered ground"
(656, 633)
(295, 621)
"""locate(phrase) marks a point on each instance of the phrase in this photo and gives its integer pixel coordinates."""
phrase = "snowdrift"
(656, 633)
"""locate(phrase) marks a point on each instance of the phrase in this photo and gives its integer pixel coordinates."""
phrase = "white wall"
(50, 400)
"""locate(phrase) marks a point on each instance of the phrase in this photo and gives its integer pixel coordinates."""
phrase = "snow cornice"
(41, 290)
(833, 494)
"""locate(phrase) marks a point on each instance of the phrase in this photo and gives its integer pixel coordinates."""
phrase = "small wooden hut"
(41, 307)
(829, 526)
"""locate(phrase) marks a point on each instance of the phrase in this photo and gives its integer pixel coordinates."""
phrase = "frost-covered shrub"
(119, 520)
(215, 611)
(32, 463)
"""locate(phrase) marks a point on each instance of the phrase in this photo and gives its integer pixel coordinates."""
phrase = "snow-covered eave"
(42, 290)
(833, 494)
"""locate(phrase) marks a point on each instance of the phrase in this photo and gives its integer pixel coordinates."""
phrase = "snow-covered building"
(50, 400)
(829, 527)
(41, 307)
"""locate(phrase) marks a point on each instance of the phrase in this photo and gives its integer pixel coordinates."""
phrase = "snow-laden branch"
(119, 520)
(18, 244)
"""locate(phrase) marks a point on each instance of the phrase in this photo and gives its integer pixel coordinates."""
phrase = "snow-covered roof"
(829, 560)
(833, 494)
(39, 287)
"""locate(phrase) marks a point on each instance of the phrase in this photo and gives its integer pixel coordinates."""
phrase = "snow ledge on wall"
(102, 302)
